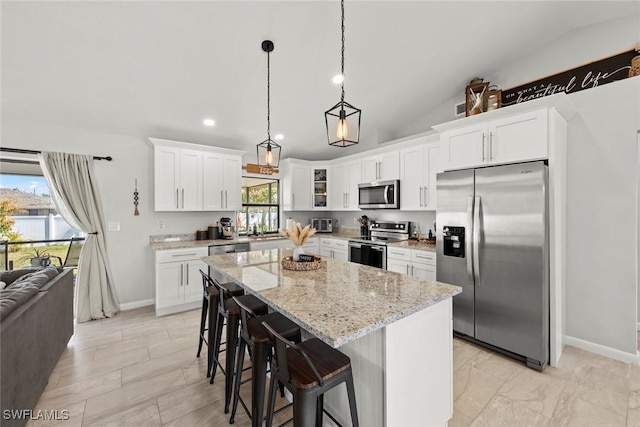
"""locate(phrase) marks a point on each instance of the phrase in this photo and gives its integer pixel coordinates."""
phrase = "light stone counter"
(396, 329)
(338, 303)
(414, 244)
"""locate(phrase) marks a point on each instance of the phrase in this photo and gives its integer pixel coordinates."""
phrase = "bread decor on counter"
(299, 261)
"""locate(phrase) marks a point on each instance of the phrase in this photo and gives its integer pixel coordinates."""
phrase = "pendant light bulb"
(269, 156)
(342, 131)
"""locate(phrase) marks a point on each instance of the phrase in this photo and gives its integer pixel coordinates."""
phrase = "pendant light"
(268, 151)
(343, 119)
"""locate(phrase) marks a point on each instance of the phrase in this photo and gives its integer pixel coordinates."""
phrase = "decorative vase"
(299, 250)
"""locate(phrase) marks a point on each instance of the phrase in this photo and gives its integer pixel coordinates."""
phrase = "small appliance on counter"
(226, 228)
(213, 232)
(322, 225)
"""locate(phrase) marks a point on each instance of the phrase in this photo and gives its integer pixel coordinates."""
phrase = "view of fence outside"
(44, 227)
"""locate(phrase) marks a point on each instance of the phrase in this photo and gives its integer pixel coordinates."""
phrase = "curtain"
(75, 194)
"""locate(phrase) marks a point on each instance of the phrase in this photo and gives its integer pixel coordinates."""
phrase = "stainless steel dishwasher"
(228, 248)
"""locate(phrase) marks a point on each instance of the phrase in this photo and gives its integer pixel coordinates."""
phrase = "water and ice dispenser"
(453, 238)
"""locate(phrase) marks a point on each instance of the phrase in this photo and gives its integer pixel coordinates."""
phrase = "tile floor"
(139, 369)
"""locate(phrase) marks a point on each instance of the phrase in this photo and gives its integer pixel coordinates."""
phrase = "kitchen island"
(396, 329)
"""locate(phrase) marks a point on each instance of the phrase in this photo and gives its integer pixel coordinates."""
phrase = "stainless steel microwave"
(379, 195)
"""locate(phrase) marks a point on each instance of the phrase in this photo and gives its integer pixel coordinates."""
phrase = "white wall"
(131, 256)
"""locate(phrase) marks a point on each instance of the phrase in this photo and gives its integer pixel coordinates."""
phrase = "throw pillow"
(3, 285)
(38, 278)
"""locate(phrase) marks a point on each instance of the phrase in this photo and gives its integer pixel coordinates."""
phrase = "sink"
(278, 237)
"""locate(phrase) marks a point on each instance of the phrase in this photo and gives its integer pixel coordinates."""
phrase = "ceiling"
(159, 68)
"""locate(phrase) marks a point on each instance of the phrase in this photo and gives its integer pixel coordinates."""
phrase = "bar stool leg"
(258, 381)
(352, 399)
(238, 378)
(203, 319)
(211, 333)
(304, 409)
(271, 402)
(233, 323)
(216, 346)
(319, 408)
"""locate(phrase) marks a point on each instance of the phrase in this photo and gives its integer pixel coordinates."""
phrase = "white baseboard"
(136, 304)
(609, 352)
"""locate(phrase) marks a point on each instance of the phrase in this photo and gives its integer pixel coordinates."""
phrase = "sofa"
(36, 323)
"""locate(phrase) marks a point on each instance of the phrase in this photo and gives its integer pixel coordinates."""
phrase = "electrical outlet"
(161, 224)
(113, 226)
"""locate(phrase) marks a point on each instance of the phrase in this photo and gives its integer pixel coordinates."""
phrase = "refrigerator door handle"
(468, 248)
(476, 240)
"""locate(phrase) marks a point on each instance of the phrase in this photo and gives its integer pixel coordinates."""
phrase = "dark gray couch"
(36, 323)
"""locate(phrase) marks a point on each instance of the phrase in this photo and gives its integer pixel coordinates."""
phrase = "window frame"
(271, 184)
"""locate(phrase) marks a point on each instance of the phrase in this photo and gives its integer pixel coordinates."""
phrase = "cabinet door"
(338, 188)
(312, 246)
(370, 169)
(232, 179)
(412, 192)
(319, 177)
(432, 159)
(464, 148)
(327, 252)
(397, 266)
(166, 192)
(424, 271)
(193, 280)
(354, 173)
(300, 188)
(169, 284)
(212, 192)
(389, 167)
(341, 254)
(517, 138)
(190, 180)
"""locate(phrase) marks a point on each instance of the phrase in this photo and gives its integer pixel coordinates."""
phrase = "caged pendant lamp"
(268, 151)
(343, 119)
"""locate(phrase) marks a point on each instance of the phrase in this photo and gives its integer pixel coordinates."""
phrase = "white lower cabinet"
(270, 244)
(312, 246)
(334, 248)
(178, 279)
(413, 262)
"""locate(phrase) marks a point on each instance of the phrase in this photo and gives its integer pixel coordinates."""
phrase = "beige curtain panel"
(75, 193)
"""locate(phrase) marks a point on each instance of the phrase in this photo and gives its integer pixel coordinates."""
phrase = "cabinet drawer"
(403, 254)
(423, 257)
(327, 243)
(340, 244)
(176, 255)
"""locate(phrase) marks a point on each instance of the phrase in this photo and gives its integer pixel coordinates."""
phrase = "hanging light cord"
(342, 63)
(268, 100)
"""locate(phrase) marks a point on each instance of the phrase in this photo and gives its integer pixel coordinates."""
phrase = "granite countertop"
(187, 241)
(338, 303)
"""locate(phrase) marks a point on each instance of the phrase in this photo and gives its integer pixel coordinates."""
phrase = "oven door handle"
(377, 248)
(355, 245)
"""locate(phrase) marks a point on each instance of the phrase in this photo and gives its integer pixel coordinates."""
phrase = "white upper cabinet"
(343, 188)
(519, 137)
(296, 185)
(178, 179)
(190, 177)
(381, 167)
(418, 167)
(222, 182)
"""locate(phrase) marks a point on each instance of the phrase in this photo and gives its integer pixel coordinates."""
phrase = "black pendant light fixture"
(343, 119)
(268, 151)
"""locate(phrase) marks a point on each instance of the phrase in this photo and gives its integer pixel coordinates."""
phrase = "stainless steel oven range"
(372, 250)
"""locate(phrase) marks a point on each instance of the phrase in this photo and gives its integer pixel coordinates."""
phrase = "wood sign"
(587, 76)
(259, 169)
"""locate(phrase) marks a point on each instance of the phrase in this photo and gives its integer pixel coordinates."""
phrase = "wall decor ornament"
(476, 97)
(136, 198)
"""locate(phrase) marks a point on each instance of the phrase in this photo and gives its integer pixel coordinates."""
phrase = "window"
(260, 206)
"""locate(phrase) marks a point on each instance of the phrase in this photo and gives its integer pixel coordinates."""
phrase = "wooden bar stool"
(209, 307)
(308, 370)
(256, 339)
(228, 310)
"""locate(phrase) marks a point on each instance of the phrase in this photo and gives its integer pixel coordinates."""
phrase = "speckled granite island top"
(338, 303)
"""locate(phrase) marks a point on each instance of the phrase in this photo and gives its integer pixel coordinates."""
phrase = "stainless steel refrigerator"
(493, 241)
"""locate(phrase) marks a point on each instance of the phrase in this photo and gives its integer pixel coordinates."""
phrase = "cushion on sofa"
(10, 276)
(12, 298)
(37, 278)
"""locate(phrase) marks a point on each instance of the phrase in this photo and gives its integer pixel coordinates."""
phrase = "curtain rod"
(21, 151)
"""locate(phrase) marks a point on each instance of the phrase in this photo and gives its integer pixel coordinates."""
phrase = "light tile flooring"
(139, 369)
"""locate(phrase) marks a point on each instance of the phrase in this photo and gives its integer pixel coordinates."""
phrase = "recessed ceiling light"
(338, 78)
(278, 137)
(208, 122)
